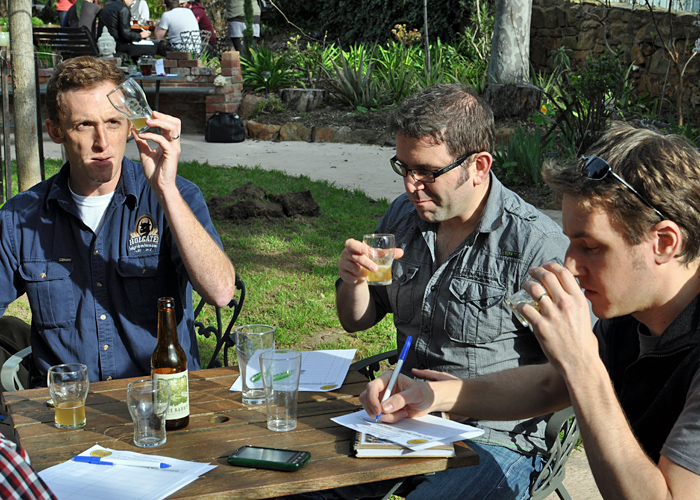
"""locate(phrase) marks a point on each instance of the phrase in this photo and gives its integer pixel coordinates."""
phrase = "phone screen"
(265, 454)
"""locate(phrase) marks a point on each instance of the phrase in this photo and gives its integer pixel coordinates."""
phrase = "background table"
(219, 424)
(154, 78)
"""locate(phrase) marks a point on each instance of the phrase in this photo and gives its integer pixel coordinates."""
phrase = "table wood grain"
(219, 424)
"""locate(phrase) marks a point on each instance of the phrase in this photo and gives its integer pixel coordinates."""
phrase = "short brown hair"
(664, 169)
(448, 113)
(82, 72)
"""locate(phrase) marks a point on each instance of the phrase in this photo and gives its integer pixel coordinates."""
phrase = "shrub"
(263, 59)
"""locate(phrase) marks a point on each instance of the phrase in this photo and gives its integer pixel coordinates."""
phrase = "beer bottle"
(169, 362)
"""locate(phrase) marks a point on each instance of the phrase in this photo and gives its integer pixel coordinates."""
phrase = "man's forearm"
(356, 309)
(210, 271)
(523, 392)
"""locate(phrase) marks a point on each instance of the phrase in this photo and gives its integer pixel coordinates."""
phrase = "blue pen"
(121, 461)
(397, 370)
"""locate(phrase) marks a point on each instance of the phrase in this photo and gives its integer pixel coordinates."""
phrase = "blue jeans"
(502, 474)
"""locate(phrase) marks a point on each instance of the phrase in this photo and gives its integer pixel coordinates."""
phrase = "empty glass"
(129, 99)
(148, 401)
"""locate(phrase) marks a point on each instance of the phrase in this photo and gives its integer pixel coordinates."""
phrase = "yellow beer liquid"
(382, 276)
(139, 122)
(70, 414)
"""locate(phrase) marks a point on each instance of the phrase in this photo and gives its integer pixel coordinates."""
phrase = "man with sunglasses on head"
(631, 209)
(464, 243)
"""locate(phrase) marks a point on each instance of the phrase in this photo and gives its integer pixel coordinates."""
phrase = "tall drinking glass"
(68, 386)
(129, 99)
(251, 342)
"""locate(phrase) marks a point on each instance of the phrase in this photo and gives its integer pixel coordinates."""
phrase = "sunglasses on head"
(596, 168)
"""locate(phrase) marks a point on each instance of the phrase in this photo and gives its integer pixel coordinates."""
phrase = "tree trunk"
(25, 101)
(510, 47)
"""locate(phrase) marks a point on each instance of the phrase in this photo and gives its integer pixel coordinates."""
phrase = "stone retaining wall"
(585, 26)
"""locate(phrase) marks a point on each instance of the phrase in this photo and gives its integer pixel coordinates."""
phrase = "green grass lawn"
(289, 265)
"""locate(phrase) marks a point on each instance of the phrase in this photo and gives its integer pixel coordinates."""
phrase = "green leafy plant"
(270, 104)
(584, 99)
(263, 59)
(352, 83)
(309, 58)
(395, 67)
(522, 157)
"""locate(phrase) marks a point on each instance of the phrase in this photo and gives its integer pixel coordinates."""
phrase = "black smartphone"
(269, 458)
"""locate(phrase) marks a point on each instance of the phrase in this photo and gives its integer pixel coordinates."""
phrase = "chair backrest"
(561, 436)
(224, 339)
(194, 41)
(69, 42)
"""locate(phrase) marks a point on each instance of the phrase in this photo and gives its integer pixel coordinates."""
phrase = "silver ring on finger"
(174, 137)
(545, 294)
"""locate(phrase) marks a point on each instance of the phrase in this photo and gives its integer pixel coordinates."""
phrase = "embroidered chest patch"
(145, 235)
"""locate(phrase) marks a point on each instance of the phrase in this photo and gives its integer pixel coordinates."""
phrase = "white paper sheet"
(414, 433)
(77, 480)
(320, 370)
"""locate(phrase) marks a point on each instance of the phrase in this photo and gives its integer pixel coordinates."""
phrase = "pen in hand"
(397, 371)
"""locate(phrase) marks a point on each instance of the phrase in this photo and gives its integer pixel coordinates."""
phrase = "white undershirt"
(92, 208)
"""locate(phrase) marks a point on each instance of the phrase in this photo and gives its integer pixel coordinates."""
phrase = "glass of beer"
(68, 386)
(382, 248)
(130, 100)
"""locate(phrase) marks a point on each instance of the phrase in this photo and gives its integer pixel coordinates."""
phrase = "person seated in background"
(173, 22)
(139, 11)
(116, 16)
(83, 13)
(204, 22)
(632, 211)
(95, 246)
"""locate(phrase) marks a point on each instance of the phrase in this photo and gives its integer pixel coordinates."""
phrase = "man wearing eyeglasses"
(464, 243)
(631, 209)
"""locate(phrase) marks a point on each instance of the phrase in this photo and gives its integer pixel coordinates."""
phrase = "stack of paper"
(79, 480)
(320, 370)
(414, 433)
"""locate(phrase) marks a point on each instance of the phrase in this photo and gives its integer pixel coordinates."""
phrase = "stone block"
(262, 131)
(513, 100)
(248, 105)
(302, 100)
(324, 134)
(295, 132)
(178, 56)
(230, 59)
(190, 63)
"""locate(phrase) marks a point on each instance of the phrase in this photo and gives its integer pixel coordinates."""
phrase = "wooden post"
(25, 98)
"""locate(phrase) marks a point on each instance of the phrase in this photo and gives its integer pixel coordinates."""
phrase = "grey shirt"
(455, 312)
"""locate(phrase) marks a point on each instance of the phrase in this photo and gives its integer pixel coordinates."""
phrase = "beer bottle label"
(179, 394)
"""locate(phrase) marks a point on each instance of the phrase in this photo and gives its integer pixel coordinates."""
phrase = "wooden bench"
(69, 42)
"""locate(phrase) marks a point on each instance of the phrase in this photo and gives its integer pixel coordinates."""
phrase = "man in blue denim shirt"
(464, 243)
(95, 246)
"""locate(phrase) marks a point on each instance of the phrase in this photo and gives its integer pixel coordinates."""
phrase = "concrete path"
(352, 166)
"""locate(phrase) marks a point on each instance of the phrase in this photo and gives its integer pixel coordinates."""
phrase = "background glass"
(148, 401)
(251, 342)
(68, 385)
(281, 369)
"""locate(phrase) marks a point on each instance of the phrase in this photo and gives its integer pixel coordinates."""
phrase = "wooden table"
(219, 424)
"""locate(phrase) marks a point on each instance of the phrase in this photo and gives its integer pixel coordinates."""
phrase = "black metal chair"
(224, 339)
(561, 436)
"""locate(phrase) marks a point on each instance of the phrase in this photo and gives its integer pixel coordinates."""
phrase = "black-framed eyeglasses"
(425, 176)
(596, 169)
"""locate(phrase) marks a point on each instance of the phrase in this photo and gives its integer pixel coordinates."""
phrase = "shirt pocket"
(144, 284)
(474, 311)
(404, 290)
(50, 292)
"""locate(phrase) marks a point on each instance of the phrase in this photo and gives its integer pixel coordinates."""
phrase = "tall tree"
(510, 48)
